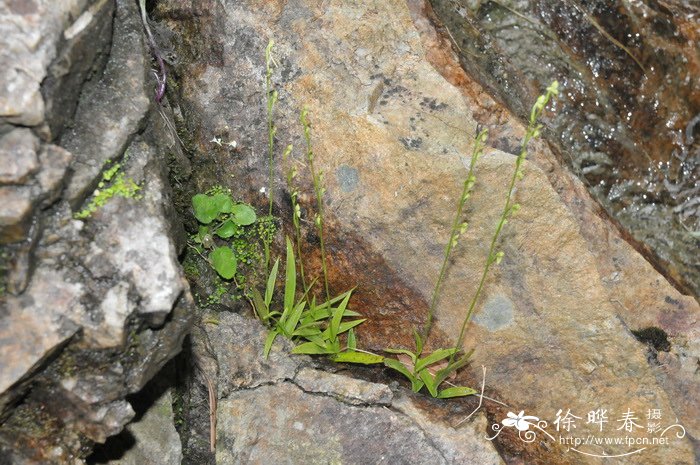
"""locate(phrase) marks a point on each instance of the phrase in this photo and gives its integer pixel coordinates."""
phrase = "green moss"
(113, 184)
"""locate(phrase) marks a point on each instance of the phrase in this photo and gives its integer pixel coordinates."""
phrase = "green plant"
(429, 371)
(509, 208)
(319, 191)
(219, 216)
(272, 96)
(291, 174)
(417, 368)
(423, 370)
(317, 326)
(112, 184)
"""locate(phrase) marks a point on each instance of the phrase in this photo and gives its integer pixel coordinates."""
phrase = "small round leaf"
(224, 262)
(205, 208)
(227, 229)
(243, 214)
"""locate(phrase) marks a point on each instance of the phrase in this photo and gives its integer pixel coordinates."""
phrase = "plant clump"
(112, 184)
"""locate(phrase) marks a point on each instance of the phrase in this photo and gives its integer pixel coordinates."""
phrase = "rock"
(151, 438)
(54, 163)
(248, 369)
(29, 333)
(347, 390)
(77, 61)
(97, 135)
(316, 417)
(98, 305)
(392, 119)
(315, 430)
(16, 213)
(18, 156)
(639, 160)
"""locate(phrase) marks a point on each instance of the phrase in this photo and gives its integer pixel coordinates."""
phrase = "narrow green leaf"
(269, 341)
(357, 357)
(436, 356)
(458, 391)
(290, 283)
(416, 384)
(348, 325)
(352, 340)
(454, 366)
(270, 288)
(293, 318)
(261, 309)
(318, 340)
(224, 262)
(419, 342)
(306, 332)
(243, 214)
(334, 346)
(400, 367)
(403, 351)
(338, 316)
(310, 348)
(429, 381)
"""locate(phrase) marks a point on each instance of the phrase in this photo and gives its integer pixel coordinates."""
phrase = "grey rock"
(111, 110)
(29, 33)
(458, 443)
(30, 332)
(314, 429)
(54, 165)
(248, 369)
(152, 437)
(18, 158)
(343, 388)
(81, 57)
(15, 217)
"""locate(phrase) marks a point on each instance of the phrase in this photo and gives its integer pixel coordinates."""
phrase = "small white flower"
(263, 190)
(520, 421)
(233, 144)
(216, 140)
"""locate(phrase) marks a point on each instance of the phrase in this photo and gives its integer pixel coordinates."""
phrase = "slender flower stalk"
(533, 131)
(319, 190)
(272, 96)
(296, 213)
(459, 227)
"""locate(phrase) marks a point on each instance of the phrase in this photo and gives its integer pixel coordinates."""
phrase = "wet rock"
(548, 321)
(627, 116)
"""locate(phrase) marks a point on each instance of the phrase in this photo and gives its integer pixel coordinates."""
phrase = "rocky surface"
(565, 320)
(573, 319)
(304, 415)
(92, 308)
(151, 437)
(627, 123)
